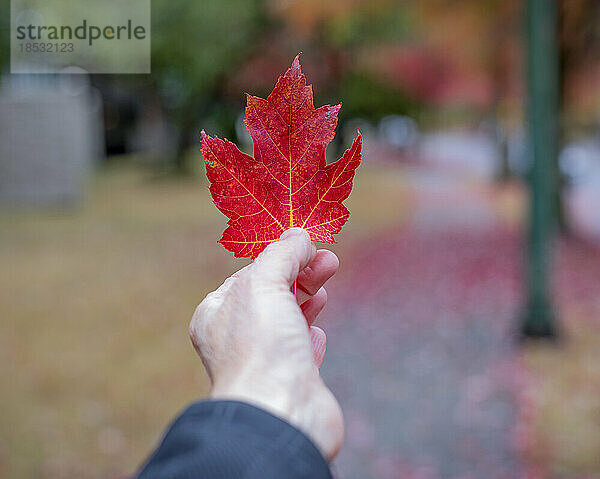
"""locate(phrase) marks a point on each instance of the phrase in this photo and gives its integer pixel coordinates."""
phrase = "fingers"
(281, 261)
(322, 267)
(318, 340)
(314, 306)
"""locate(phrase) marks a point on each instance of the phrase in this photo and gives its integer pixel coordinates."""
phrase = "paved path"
(420, 349)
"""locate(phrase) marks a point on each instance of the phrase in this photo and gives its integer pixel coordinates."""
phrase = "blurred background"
(464, 324)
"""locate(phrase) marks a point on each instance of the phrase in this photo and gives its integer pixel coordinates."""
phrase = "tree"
(4, 35)
(195, 47)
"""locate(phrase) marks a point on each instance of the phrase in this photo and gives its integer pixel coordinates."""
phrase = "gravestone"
(50, 137)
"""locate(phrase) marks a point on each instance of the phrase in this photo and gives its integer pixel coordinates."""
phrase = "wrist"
(281, 394)
(276, 402)
(305, 403)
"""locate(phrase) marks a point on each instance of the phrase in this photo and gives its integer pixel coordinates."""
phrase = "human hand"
(253, 338)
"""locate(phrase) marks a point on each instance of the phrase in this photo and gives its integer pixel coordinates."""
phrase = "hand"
(255, 343)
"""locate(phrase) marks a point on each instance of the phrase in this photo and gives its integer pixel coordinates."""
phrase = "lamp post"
(542, 116)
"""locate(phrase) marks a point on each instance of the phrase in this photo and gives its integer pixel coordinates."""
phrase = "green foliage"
(195, 47)
(366, 97)
(196, 44)
(376, 23)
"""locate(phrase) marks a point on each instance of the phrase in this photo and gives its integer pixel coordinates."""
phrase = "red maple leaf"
(288, 182)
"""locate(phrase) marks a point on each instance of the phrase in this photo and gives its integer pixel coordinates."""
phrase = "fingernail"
(291, 232)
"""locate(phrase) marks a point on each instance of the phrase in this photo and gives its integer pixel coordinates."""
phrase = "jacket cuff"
(222, 439)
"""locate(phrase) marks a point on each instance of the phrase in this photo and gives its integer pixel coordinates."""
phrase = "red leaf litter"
(288, 182)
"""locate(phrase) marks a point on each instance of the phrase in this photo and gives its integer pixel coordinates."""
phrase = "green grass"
(95, 304)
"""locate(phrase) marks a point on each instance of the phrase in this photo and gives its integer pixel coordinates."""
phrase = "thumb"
(282, 260)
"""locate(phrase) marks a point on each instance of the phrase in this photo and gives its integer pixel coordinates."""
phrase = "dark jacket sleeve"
(230, 439)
